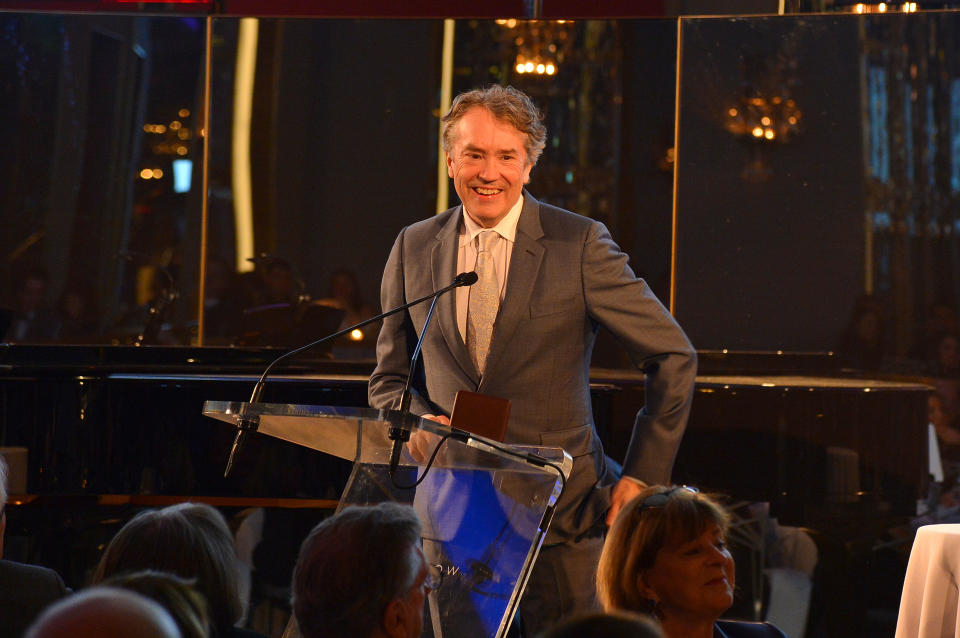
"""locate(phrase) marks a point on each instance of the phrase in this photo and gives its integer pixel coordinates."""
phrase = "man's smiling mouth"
(486, 191)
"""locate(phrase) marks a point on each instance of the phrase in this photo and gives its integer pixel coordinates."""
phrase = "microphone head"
(466, 279)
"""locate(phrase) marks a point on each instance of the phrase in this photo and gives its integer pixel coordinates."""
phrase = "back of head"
(104, 611)
(185, 605)
(351, 566)
(190, 540)
(615, 625)
(659, 517)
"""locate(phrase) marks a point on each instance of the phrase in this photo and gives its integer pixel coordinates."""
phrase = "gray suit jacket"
(566, 277)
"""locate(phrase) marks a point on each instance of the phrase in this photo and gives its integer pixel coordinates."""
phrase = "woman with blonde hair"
(190, 540)
(666, 555)
(186, 606)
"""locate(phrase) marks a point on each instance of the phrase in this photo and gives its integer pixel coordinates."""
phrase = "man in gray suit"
(525, 332)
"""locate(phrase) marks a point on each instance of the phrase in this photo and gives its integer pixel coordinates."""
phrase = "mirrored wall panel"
(817, 186)
(99, 197)
(324, 144)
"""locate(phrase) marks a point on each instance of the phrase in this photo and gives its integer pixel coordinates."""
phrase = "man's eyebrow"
(502, 151)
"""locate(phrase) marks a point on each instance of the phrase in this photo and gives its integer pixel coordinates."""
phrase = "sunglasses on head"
(661, 498)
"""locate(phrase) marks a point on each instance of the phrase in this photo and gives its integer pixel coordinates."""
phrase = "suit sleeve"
(395, 343)
(626, 306)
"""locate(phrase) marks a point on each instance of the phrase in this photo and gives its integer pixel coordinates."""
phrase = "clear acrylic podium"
(485, 506)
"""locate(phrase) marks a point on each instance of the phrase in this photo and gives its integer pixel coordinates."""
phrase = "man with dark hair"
(547, 279)
(362, 574)
(25, 590)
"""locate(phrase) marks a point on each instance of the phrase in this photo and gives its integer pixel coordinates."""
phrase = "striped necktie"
(484, 301)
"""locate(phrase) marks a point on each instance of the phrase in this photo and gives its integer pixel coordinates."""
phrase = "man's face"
(488, 165)
(412, 620)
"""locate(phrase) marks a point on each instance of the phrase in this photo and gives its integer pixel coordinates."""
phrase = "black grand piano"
(112, 429)
(778, 428)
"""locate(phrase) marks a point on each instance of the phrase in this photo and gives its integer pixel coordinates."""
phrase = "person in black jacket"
(25, 590)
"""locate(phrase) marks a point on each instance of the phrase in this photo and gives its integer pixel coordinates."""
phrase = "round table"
(929, 603)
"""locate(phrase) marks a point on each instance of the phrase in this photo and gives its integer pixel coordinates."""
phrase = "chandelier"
(541, 45)
(765, 119)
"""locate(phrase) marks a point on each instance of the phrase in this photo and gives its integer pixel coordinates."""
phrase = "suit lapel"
(444, 269)
(524, 270)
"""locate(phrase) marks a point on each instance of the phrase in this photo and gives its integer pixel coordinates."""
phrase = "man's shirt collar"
(507, 228)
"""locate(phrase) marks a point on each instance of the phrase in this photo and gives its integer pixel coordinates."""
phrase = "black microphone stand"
(399, 433)
(249, 422)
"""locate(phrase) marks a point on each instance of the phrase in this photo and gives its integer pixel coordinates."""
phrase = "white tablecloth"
(929, 603)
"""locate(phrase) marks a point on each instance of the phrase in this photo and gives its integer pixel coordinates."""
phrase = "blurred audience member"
(362, 574)
(101, 612)
(946, 424)
(78, 314)
(279, 282)
(190, 540)
(666, 555)
(32, 321)
(941, 319)
(25, 590)
(222, 303)
(185, 605)
(345, 295)
(945, 362)
(863, 344)
(615, 625)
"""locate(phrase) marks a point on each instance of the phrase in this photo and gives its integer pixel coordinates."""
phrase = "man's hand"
(623, 492)
(422, 442)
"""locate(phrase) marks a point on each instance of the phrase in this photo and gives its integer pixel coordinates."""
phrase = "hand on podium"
(422, 443)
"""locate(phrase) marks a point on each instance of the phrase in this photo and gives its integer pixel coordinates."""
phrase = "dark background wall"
(361, 161)
(643, 226)
(775, 264)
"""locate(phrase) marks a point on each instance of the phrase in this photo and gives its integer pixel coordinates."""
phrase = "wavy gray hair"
(507, 104)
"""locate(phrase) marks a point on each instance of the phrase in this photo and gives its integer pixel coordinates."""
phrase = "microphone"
(248, 423)
(463, 279)
(401, 434)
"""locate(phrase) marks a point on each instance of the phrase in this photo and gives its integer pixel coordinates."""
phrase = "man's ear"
(394, 618)
(449, 165)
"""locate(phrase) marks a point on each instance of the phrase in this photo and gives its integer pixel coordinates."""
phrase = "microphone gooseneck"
(248, 423)
(400, 434)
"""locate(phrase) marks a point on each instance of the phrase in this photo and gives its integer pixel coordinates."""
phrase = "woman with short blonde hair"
(666, 555)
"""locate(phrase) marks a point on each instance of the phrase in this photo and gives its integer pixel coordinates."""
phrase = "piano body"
(127, 420)
(111, 430)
